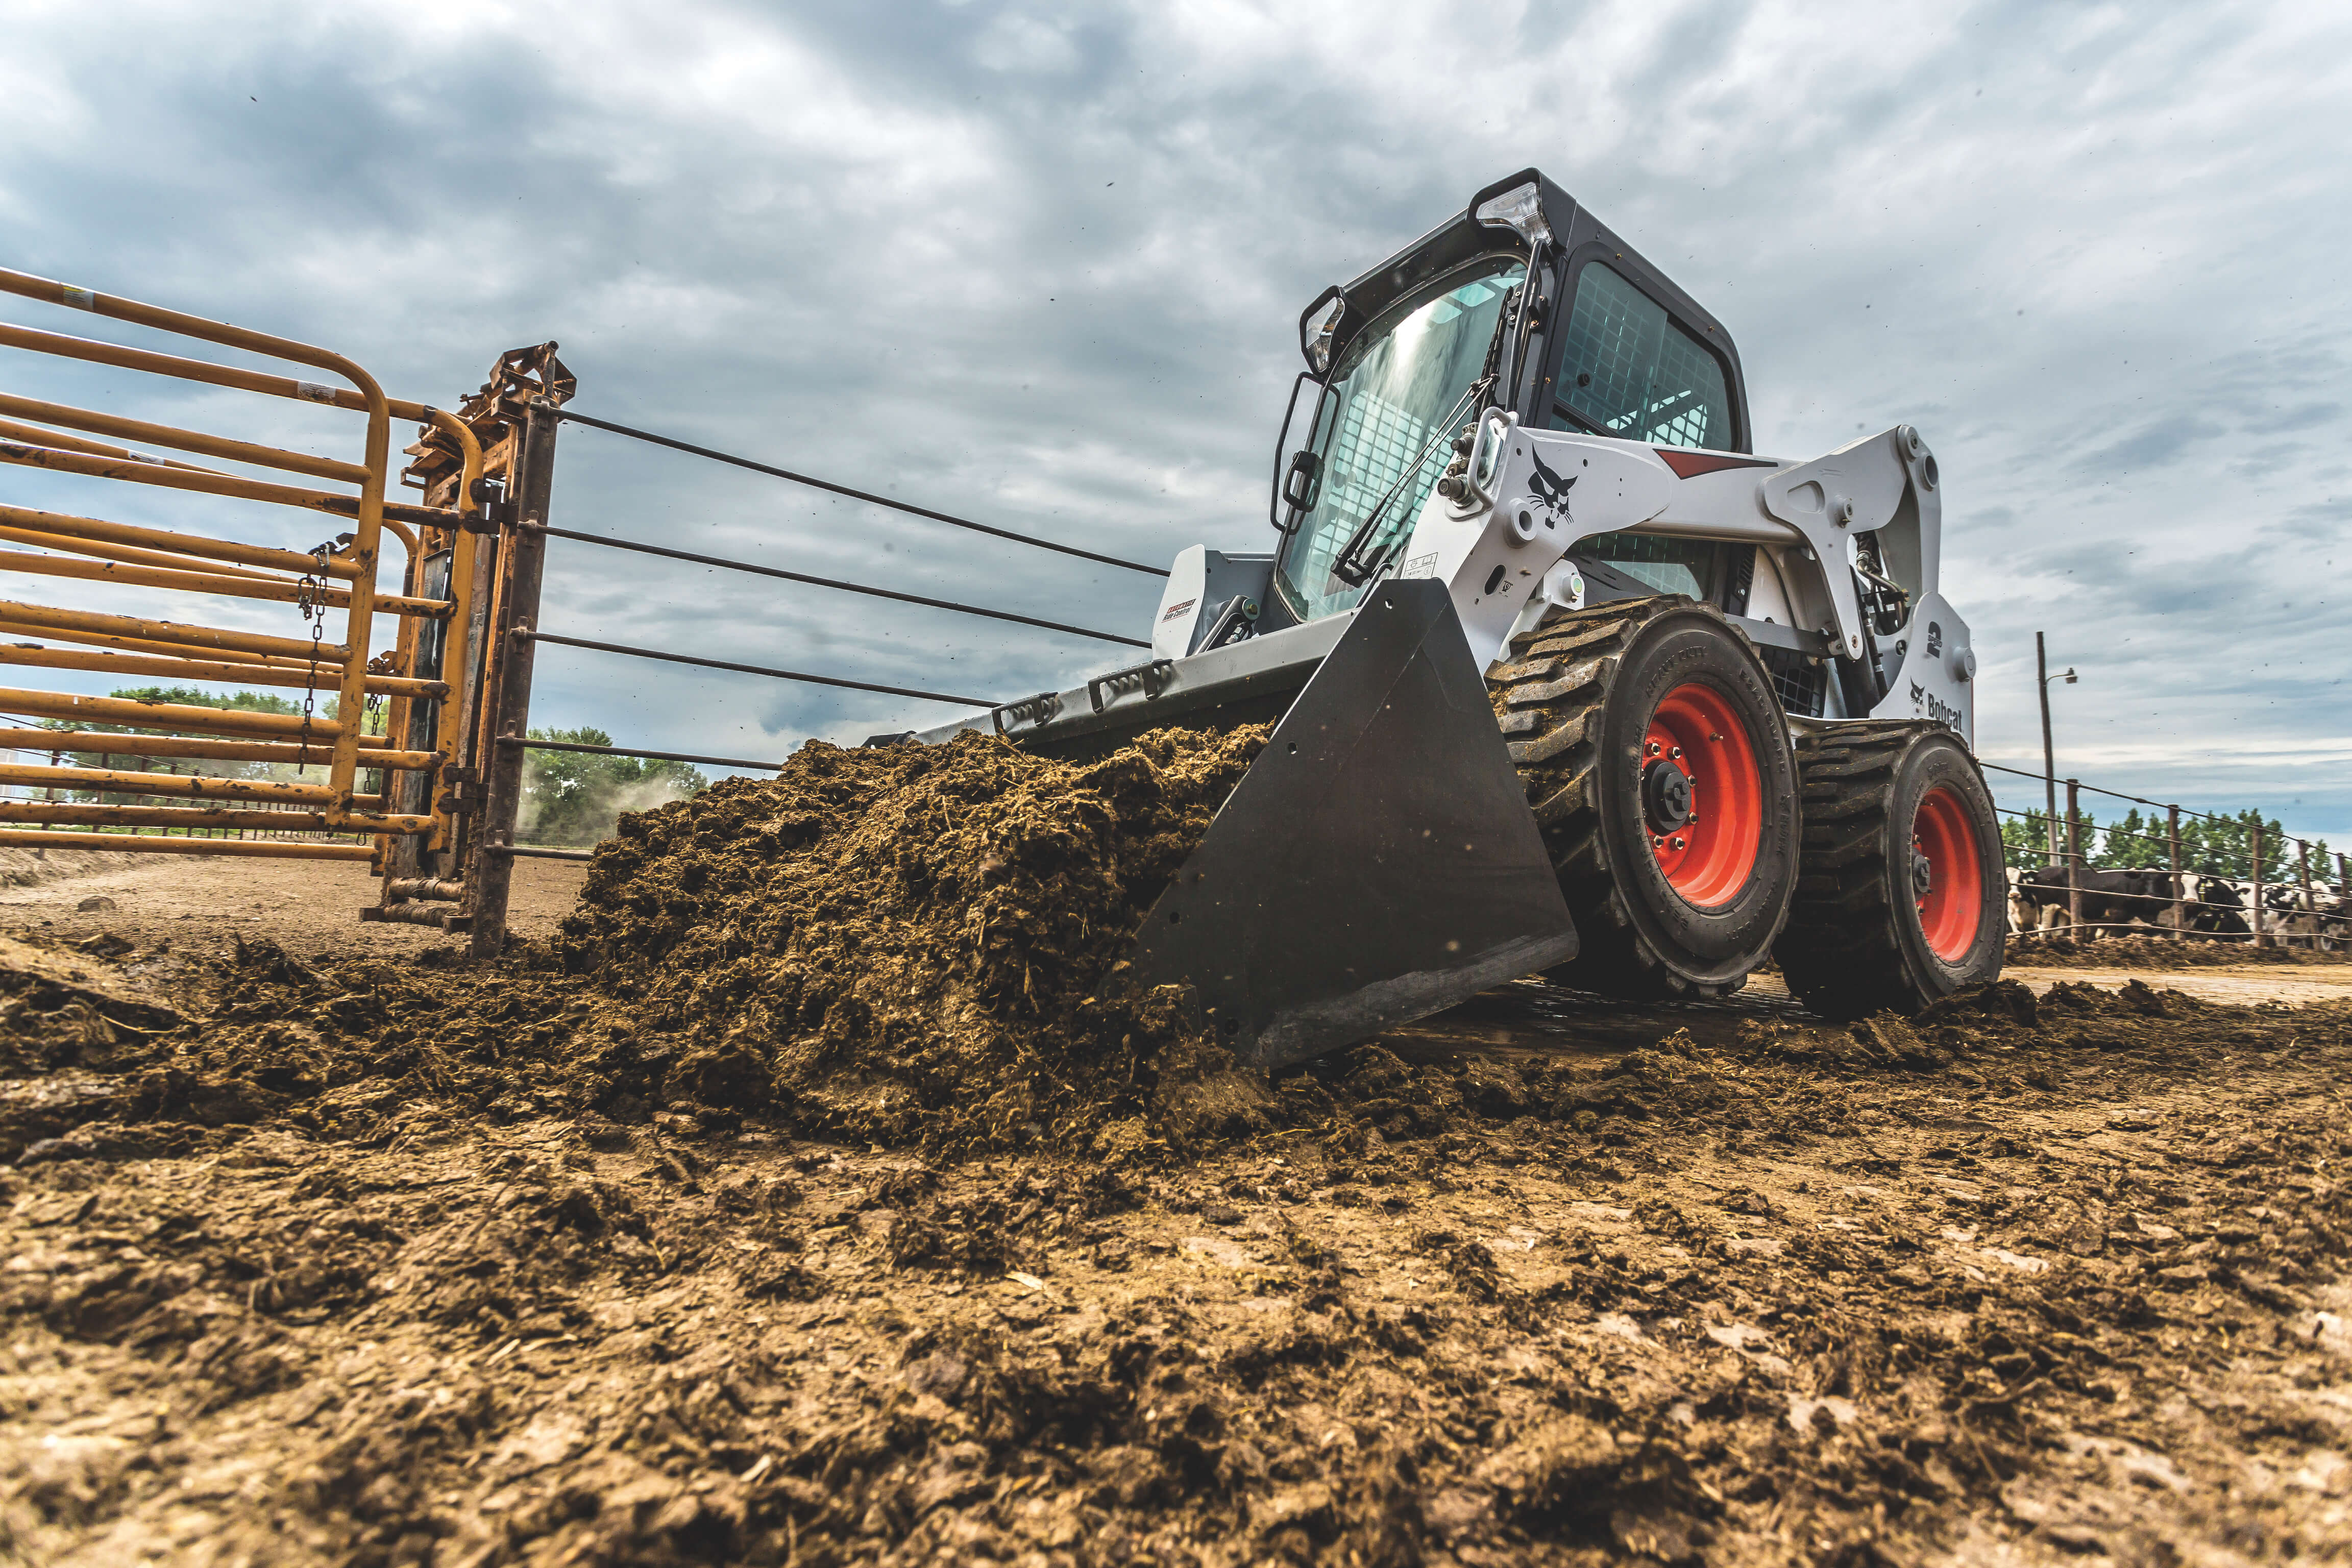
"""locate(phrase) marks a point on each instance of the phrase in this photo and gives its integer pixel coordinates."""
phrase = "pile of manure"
(910, 944)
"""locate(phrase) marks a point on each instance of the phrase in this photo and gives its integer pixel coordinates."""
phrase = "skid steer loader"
(1563, 679)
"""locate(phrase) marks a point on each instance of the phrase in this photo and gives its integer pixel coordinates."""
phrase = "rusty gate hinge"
(498, 511)
(464, 787)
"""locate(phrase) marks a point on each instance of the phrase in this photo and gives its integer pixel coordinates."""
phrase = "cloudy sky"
(1041, 265)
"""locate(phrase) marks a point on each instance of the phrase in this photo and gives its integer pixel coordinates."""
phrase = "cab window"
(1628, 371)
(1669, 565)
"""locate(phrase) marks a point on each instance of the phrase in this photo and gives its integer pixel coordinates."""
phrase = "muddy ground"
(310, 1254)
(2152, 950)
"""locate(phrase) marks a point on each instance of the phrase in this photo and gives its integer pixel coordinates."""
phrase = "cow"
(2023, 913)
(2324, 924)
(2109, 897)
(2218, 909)
(2336, 924)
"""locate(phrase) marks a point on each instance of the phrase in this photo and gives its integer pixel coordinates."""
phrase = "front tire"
(1657, 764)
(1902, 896)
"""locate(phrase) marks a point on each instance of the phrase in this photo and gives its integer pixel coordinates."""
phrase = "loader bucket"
(1377, 864)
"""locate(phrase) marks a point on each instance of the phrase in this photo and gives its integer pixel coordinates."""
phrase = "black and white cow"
(2109, 897)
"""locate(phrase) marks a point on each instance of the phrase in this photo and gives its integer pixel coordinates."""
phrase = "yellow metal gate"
(377, 803)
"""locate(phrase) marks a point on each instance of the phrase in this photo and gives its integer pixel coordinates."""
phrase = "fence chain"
(310, 596)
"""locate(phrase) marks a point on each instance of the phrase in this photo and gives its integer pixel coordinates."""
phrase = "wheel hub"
(1702, 795)
(1945, 877)
(1665, 796)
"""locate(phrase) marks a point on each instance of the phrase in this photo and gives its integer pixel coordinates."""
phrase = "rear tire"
(1881, 799)
(1656, 761)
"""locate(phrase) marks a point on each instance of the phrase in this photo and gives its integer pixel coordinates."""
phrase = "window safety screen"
(1387, 431)
(1630, 372)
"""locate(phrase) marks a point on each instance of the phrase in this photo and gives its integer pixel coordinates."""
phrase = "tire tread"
(1841, 952)
(1551, 697)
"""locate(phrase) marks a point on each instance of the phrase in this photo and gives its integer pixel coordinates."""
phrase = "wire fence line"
(2289, 897)
(571, 417)
(532, 531)
(2068, 818)
(641, 547)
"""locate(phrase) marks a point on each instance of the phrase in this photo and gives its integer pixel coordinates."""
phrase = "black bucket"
(1378, 863)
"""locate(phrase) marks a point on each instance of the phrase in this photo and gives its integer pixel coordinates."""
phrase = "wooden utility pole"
(2049, 756)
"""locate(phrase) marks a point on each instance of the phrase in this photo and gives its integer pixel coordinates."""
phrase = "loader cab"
(1601, 342)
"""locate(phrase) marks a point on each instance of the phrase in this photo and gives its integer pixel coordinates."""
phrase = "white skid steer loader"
(1563, 679)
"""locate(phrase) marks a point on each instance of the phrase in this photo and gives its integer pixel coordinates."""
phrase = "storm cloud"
(1042, 266)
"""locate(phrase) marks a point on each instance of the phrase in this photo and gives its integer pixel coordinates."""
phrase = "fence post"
(57, 759)
(2180, 891)
(2343, 875)
(2303, 859)
(475, 692)
(2255, 842)
(521, 560)
(2074, 853)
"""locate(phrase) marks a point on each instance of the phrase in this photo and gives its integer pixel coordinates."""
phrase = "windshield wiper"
(1351, 566)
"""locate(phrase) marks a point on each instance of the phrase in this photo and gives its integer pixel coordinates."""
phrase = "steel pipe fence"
(424, 757)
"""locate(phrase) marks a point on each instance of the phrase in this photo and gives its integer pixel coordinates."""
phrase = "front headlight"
(1518, 209)
(1316, 328)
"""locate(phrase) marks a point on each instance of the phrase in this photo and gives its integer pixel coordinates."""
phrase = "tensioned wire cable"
(827, 485)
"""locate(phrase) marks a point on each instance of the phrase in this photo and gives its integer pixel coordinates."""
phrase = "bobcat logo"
(1928, 705)
(1549, 486)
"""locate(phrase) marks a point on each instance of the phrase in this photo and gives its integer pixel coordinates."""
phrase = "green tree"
(2135, 842)
(130, 759)
(2223, 846)
(2025, 840)
(577, 797)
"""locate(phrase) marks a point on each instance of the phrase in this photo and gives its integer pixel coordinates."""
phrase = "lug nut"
(1651, 749)
(1715, 737)
(1675, 753)
(1657, 841)
(1678, 841)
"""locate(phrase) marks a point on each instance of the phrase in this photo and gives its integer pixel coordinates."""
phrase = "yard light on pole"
(2049, 756)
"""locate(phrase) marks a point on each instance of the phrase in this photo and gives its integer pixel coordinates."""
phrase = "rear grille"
(1801, 683)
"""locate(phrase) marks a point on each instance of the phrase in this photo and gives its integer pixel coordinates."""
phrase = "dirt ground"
(2053, 1276)
(195, 902)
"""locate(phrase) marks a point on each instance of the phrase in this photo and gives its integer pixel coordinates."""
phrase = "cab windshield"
(1388, 427)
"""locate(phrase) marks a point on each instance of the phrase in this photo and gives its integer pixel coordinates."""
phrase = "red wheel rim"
(1709, 858)
(1952, 907)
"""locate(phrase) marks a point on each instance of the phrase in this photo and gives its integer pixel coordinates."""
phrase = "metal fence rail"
(866, 496)
(610, 543)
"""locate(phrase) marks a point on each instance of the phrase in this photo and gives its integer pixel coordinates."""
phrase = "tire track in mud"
(797, 1205)
(2036, 1277)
